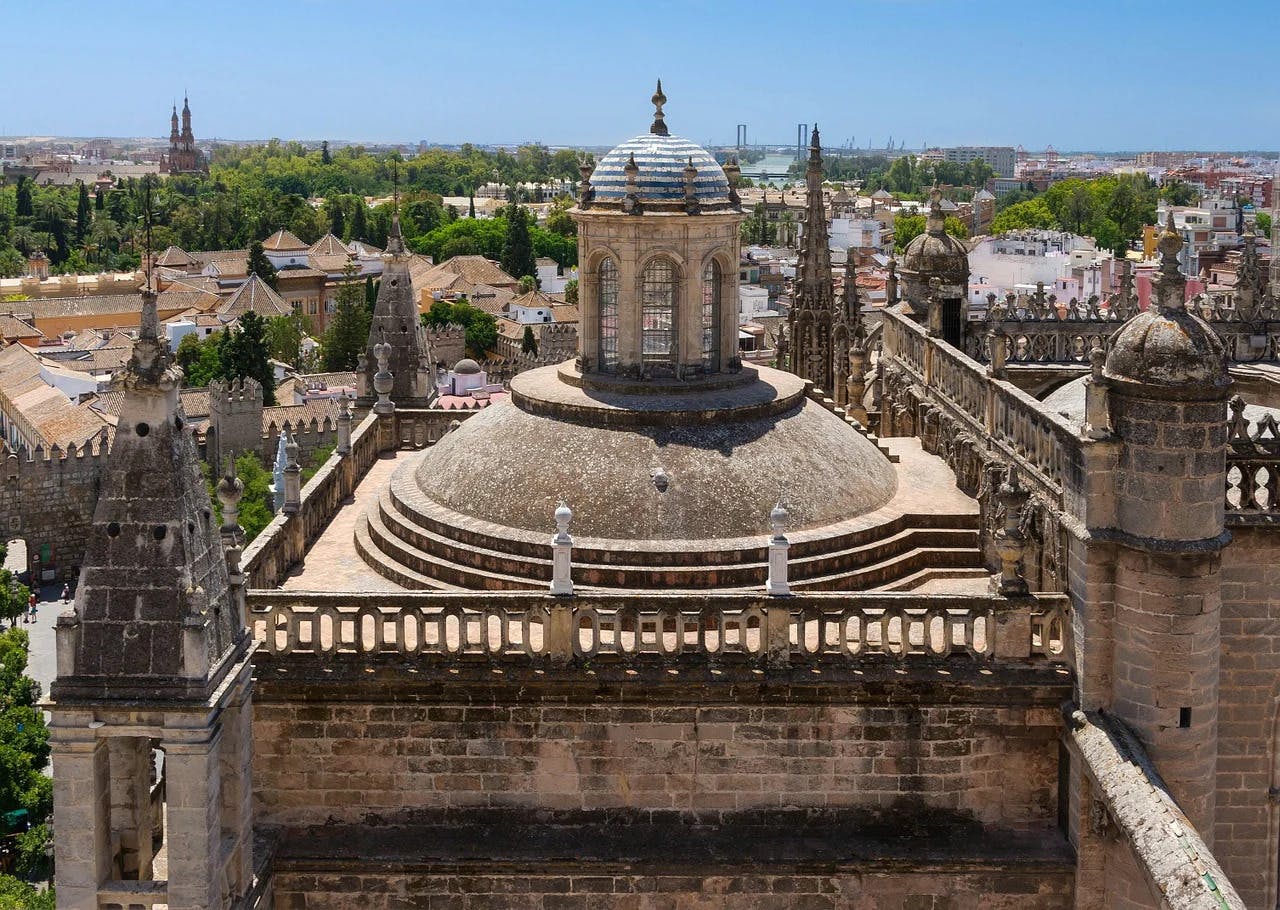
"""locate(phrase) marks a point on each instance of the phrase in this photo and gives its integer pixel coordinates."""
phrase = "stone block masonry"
(1046, 889)
(48, 500)
(344, 762)
(615, 786)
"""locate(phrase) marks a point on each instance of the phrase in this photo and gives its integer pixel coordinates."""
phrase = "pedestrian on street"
(66, 593)
(31, 606)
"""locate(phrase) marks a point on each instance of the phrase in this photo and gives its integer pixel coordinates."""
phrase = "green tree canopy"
(481, 328)
(244, 354)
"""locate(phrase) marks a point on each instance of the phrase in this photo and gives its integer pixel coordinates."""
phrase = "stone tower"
(937, 256)
(235, 419)
(810, 320)
(1166, 384)
(152, 697)
(184, 157)
(658, 222)
(396, 321)
(1275, 235)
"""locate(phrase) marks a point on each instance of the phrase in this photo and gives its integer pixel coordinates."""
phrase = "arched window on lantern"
(607, 313)
(712, 288)
(658, 317)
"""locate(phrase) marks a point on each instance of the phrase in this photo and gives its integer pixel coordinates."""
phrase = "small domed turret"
(1166, 345)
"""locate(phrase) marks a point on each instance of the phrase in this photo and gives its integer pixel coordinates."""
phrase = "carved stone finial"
(777, 583)
(383, 380)
(562, 552)
(659, 127)
(230, 491)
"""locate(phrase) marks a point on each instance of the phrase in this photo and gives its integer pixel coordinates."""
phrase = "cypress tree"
(25, 208)
(517, 251)
(337, 220)
(326, 158)
(84, 214)
(348, 331)
(529, 344)
(260, 265)
(99, 200)
(359, 222)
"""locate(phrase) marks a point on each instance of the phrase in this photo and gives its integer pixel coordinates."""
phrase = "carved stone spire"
(659, 127)
(811, 314)
(1171, 285)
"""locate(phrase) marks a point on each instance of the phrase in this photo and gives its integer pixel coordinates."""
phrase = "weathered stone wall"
(1249, 692)
(604, 786)
(49, 500)
(341, 762)
(538, 890)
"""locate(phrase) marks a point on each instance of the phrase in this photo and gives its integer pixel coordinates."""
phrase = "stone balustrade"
(1253, 467)
(1040, 443)
(133, 895)
(284, 542)
(667, 628)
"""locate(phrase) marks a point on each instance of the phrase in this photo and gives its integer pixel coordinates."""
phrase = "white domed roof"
(661, 161)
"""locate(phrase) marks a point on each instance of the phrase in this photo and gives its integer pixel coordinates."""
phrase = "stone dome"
(1166, 346)
(660, 161)
(939, 254)
(466, 367)
(721, 478)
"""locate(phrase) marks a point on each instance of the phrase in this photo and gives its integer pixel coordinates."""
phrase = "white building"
(1067, 264)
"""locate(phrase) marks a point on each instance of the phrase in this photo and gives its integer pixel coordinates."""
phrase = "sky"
(1077, 74)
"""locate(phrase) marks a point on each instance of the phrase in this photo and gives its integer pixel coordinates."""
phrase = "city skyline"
(450, 75)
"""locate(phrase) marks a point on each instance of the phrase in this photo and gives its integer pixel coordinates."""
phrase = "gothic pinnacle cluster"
(810, 320)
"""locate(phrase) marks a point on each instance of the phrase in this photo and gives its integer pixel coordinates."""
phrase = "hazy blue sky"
(1120, 74)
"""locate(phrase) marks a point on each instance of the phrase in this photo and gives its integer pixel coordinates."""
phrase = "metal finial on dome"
(659, 127)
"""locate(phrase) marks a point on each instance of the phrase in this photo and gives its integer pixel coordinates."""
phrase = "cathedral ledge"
(564, 393)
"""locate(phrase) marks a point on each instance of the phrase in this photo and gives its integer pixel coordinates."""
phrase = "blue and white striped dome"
(661, 161)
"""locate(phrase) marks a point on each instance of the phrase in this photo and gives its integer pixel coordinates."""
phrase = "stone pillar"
(562, 553)
(344, 426)
(292, 479)
(236, 769)
(193, 803)
(81, 810)
(1010, 543)
(777, 584)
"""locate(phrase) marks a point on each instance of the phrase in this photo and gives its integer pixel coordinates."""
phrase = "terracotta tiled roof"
(493, 301)
(533, 299)
(475, 269)
(566, 313)
(329, 245)
(196, 283)
(315, 409)
(43, 414)
(286, 274)
(283, 241)
(12, 328)
(97, 359)
(256, 295)
(331, 264)
(176, 257)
